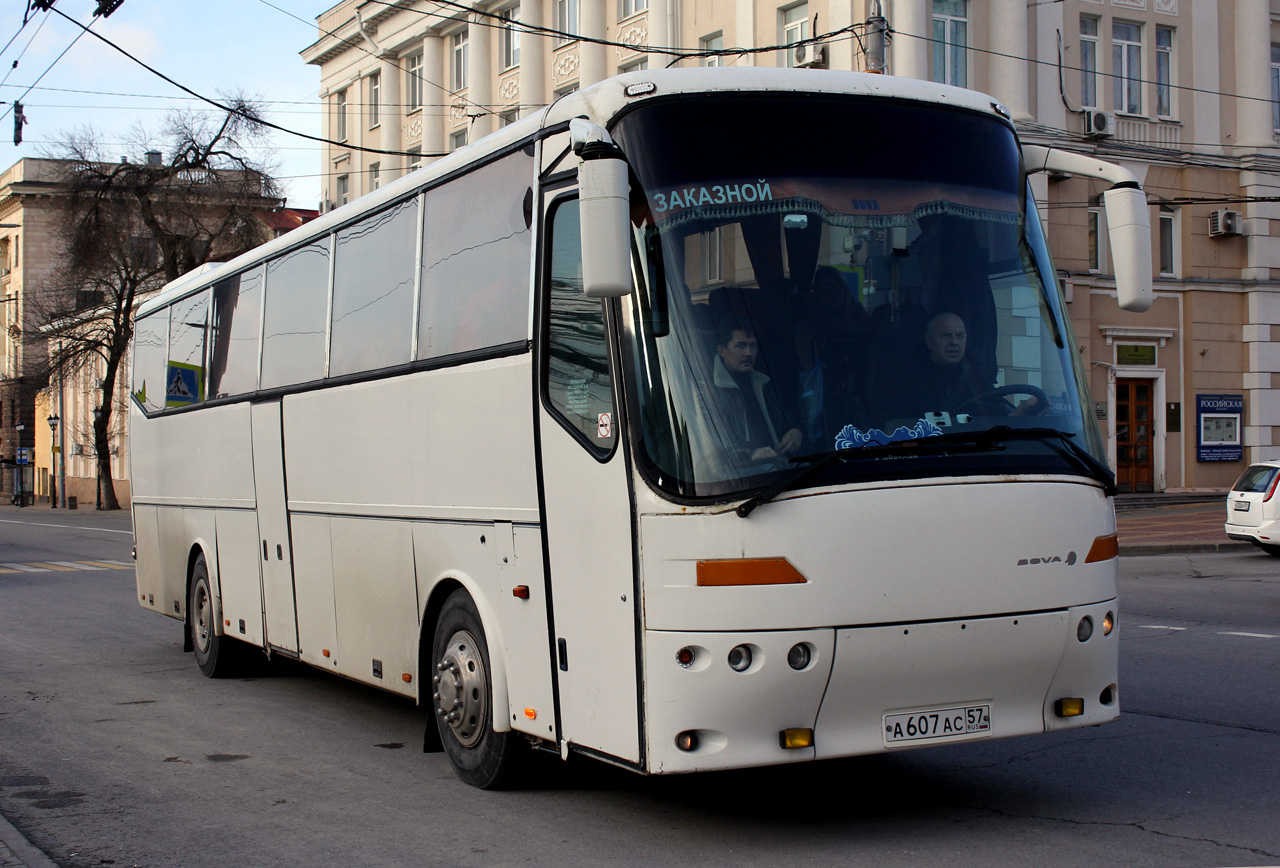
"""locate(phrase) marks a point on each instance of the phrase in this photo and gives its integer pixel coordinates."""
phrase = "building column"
(594, 57)
(480, 79)
(1253, 74)
(1206, 128)
(909, 55)
(1262, 377)
(1049, 22)
(533, 60)
(1010, 75)
(745, 34)
(391, 116)
(840, 54)
(435, 98)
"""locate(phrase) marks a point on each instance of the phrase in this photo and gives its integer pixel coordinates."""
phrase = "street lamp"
(53, 460)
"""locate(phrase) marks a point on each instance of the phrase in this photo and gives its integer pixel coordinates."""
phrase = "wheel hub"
(461, 689)
(202, 617)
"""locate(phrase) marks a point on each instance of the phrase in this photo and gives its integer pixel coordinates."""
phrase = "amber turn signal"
(790, 739)
(1104, 549)
(1072, 707)
(748, 571)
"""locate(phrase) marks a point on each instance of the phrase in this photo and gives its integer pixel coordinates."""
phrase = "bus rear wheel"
(462, 701)
(215, 655)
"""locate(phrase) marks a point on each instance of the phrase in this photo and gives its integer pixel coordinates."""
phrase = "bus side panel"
(146, 534)
(193, 458)
(239, 582)
(180, 530)
(313, 579)
(376, 601)
(525, 637)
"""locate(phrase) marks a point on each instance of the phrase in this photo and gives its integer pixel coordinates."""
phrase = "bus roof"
(599, 102)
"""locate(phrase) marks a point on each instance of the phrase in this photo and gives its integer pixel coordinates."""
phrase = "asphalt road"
(115, 751)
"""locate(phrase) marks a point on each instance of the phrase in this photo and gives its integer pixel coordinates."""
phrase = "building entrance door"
(1135, 424)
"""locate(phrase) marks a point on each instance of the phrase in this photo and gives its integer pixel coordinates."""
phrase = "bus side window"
(184, 378)
(237, 311)
(150, 351)
(578, 383)
(296, 327)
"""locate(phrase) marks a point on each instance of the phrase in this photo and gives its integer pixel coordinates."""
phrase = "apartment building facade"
(1182, 93)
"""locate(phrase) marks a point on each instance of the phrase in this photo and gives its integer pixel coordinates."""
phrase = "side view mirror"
(1128, 221)
(604, 203)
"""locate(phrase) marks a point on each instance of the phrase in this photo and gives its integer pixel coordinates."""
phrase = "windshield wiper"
(955, 441)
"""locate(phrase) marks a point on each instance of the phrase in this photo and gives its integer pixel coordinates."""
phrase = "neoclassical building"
(1182, 92)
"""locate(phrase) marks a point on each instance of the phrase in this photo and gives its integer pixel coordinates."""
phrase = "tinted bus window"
(150, 352)
(293, 346)
(233, 337)
(373, 291)
(475, 260)
(184, 379)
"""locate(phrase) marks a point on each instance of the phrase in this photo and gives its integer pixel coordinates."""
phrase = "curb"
(24, 853)
(1144, 549)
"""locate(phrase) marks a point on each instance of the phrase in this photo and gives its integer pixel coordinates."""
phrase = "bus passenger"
(747, 402)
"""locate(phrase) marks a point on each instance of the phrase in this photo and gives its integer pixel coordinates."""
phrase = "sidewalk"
(1176, 527)
(17, 852)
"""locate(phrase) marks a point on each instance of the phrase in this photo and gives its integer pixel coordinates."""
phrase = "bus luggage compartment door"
(273, 527)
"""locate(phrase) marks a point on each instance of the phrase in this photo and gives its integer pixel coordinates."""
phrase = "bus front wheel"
(214, 654)
(463, 698)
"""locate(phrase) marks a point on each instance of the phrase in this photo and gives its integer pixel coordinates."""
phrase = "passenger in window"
(747, 401)
(949, 383)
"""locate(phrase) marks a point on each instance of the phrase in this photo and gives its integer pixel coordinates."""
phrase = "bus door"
(586, 506)
(279, 617)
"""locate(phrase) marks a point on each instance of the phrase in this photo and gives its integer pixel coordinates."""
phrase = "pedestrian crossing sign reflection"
(184, 385)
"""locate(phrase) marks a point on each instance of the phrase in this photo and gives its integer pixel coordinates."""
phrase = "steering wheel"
(1042, 400)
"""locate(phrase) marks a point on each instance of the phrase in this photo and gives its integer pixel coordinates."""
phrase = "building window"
(458, 140)
(1164, 72)
(340, 115)
(413, 82)
(712, 256)
(344, 189)
(507, 118)
(1168, 241)
(566, 20)
(634, 66)
(712, 43)
(375, 176)
(1126, 66)
(1089, 62)
(1275, 87)
(415, 157)
(795, 28)
(459, 43)
(627, 8)
(951, 42)
(1095, 233)
(510, 37)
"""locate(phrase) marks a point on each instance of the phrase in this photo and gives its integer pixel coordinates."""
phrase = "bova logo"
(1069, 560)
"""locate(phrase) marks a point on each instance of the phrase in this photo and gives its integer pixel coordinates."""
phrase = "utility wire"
(83, 30)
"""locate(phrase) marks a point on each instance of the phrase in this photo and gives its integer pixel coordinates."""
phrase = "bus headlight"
(799, 656)
(1108, 624)
(1084, 629)
(740, 658)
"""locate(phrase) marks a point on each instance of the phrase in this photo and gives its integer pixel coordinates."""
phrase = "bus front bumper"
(866, 690)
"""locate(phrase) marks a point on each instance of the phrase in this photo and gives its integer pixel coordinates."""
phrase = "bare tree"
(132, 226)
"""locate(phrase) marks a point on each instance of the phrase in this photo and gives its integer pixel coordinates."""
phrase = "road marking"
(71, 565)
(1249, 635)
(65, 566)
(109, 565)
(24, 568)
(57, 567)
(1160, 627)
(63, 526)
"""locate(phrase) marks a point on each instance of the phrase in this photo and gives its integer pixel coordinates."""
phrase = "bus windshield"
(822, 275)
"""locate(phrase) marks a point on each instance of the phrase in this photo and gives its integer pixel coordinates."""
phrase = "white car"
(1253, 508)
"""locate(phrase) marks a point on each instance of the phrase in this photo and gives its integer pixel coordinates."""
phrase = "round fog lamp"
(685, 656)
(1084, 629)
(740, 658)
(1108, 624)
(687, 740)
(798, 656)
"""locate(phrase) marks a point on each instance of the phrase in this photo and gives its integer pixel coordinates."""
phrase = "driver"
(950, 382)
(748, 403)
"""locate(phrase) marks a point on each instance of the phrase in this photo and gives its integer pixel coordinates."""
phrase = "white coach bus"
(706, 419)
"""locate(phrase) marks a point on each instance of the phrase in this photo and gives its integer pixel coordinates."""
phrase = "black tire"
(217, 656)
(462, 702)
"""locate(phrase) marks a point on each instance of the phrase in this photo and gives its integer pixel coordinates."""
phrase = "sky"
(229, 46)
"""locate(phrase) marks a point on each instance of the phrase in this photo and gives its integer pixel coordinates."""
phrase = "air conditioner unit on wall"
(1099, 124)
(1226, 223)
(811, 56)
